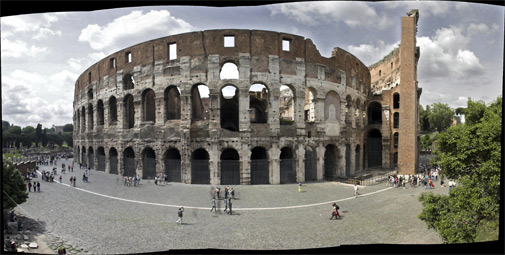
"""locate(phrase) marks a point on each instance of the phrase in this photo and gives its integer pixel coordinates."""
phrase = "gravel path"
(104, 225)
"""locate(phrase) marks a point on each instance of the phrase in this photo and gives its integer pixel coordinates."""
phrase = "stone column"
(353, 158)
(160, 109)
(120, 113)
(214, 164)
(320, 162)
(275, 173)
(300, 162)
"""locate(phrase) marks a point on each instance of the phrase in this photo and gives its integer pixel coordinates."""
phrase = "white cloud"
(95, 56)
(18, 48)
(134, 25)
(39, 23)
(45, 33)
(370, 53)
(428, 8)
(352, 14)
(75, 63)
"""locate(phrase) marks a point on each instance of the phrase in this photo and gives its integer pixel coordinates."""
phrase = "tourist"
(213, 205)
(225, 205)
(232, 192)
(34, 186)
(38, 186)
(356, 190)
(229, 207)
(61, 178)
(155, 180)
(29, 187)
(431, 184)
(179, 213)
(74, 179)
(226, 192)
(300, 187)
(217, 192)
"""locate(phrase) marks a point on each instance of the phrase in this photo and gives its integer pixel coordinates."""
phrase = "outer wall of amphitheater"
(142, 110)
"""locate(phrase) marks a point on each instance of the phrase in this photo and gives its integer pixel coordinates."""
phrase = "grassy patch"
(487, 231)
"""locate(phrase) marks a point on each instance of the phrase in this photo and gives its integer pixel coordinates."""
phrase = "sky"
(42, 54)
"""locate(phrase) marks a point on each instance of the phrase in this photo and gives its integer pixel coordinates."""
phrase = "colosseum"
(238, 106)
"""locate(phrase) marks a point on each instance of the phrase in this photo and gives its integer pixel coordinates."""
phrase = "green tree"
(423, 118)
(470, 153)
(475, 111)
(68, 128)
(38, 134)
(43, 138)
(440, 116)
(67, 137)
(13, 186)
(27, 136)
(5, 125)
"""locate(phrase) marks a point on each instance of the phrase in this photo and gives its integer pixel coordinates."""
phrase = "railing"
(376, 179)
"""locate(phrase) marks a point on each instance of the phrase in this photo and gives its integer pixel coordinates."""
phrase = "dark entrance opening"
(200, 173)
(330, 162)
(374, 148)
(347, 160)
(129, 162)
(357, 158)
(101, 159)
(374, 113)
(148, 164)
(287, 166)
(230, 167)
(229, 108)
(91, 161)
(310, 165)
(113, 161)
(173, 165)
(83, 156)
(259, 166)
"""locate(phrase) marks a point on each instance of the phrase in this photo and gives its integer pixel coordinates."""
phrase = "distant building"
(58, 129)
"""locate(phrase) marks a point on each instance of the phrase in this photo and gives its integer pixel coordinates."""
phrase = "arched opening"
(101, 159)
(395, 159)
(229, 108)
(200, 102)
(172, 98)
(83, 115)
(149, 105)
(200, 173)
(90, 116)
(395, 140)
(113, 166)
(330, 162)
(91, 155)
(229, 71)
(173, 165)
(374, 148)
(258, 103)
(128, 81)
(99, 109)
(332, 107)
(90, 94)
(112, 111)
(310, 164)
(309, 106)
(148, 163)
(230, 167)
(348, 113)
(357, 159)
(259, 166)
(347, 160)
(129, 112)
(129, 162)
(396, 120)
(287, 166)
(83, 156)
(374, 113)
(287, 105)
(396, 101)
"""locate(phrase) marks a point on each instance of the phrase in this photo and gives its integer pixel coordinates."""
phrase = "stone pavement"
(105, 217)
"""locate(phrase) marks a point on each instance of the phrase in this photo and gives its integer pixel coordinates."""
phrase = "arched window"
(229, 108)
(112, 111)
(128, 81)
(83, 115)
(229, 71)
(396, 140)
(129, 112)
(90, 94)
(348, 113)
(99, 109)
(286, 105)
(149, 105)
(258, 103)
(172, 98)
(396, 101)
(148, 163)
(90, 116)
(200, 102)
(309, 107)
(332, 106)
(396, 120)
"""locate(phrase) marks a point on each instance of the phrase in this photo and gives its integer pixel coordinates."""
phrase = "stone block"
(24, 246)
(33, 245)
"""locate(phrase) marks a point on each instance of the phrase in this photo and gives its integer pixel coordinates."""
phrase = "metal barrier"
(376, 179)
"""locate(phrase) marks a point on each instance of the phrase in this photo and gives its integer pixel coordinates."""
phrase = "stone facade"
(144, 110)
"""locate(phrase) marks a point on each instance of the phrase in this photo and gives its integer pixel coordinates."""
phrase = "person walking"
(356, 190)
(300, 187)
(225, 205)
(232, 192)
(213, 205)
(179, 213)
(431, 184)
(29, 187)
(226, 192)
(229, 206)
(74, 180)
(217, 192)
(38, 186)
(61, 178)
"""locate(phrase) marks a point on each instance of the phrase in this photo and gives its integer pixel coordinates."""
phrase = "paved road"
(105, 217)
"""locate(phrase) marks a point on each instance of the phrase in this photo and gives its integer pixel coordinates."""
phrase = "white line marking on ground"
(235, 209)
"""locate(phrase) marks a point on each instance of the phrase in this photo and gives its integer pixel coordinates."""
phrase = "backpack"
(180, 213)
(337, 207)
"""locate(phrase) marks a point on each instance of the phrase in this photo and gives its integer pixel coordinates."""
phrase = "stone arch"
(90, 94)
(200, 102)
(230, 167)
(332, 106)
(148, 163)
(309, 106)
(200, 173)
(287, 165)
(149, 105)
(374, 148)
(100, 112)
(287, 102)
(128, 81)
(129, 162)
(172, 98)
(100, 154)
(129, 112)
(91, 158)
(258, 103)
(83, 115)
(173, 165)
(90, 116)
(229, 110)
(113, 161)
(229, 70)
(112, 111)
(374, 113)
(260, 172)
